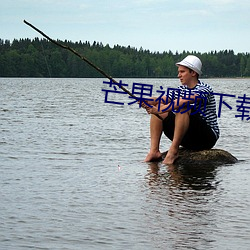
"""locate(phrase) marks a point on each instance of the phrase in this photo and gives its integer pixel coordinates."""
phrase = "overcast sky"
(157, 25)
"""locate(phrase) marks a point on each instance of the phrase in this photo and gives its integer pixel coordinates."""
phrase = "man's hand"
(153, 110)
(150, 110)
(144, 105)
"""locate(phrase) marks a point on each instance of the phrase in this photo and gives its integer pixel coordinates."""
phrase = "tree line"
(41, 58)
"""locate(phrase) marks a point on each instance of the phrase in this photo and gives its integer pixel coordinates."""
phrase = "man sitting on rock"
(188, 113)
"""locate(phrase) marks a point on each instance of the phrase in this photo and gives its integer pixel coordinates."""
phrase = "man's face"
(185, 75)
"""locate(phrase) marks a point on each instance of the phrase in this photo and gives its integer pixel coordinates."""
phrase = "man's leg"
(181, 127)
(156, 127)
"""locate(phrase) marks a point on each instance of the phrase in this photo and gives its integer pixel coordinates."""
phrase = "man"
(188, 114)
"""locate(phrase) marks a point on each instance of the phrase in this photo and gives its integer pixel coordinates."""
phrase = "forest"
(41, 58)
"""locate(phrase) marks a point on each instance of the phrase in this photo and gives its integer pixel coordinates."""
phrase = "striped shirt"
(206, 106)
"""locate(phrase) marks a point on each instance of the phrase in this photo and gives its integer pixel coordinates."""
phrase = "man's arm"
(176, 104)
(155, 101)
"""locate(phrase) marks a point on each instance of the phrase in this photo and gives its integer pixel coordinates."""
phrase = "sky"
(155, 25)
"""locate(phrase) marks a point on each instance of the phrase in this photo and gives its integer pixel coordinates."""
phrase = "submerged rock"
(204, 157)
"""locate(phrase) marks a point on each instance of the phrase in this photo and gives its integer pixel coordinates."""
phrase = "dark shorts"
(199, 135)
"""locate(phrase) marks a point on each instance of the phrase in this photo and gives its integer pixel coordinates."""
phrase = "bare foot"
(170, 157)
(153, 156)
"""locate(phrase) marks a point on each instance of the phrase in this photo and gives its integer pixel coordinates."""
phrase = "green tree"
(247, 69)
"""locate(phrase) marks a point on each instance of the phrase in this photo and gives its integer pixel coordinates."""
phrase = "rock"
(205, 157)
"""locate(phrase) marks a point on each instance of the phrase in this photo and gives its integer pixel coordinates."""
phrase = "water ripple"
(72, 174)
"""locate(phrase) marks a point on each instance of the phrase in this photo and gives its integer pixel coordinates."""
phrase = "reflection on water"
(184, 195)
(194, 207)
(189, 177)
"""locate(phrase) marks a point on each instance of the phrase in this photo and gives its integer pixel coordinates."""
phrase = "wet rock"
(204, 157)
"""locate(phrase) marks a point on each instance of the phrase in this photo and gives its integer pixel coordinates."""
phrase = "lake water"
(72, 174)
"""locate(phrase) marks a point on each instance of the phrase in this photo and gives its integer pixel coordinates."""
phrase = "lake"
(72, 173)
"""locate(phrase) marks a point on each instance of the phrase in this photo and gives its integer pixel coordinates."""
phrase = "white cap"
(191, 62)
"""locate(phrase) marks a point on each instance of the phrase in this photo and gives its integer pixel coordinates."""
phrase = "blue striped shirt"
(206, 105)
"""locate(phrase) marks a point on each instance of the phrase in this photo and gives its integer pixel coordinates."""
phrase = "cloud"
(221, 2)
(83, 6)
(152, 24)
(148, 2)
(225, 5)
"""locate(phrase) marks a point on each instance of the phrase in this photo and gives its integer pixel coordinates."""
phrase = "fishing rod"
(84, 59)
